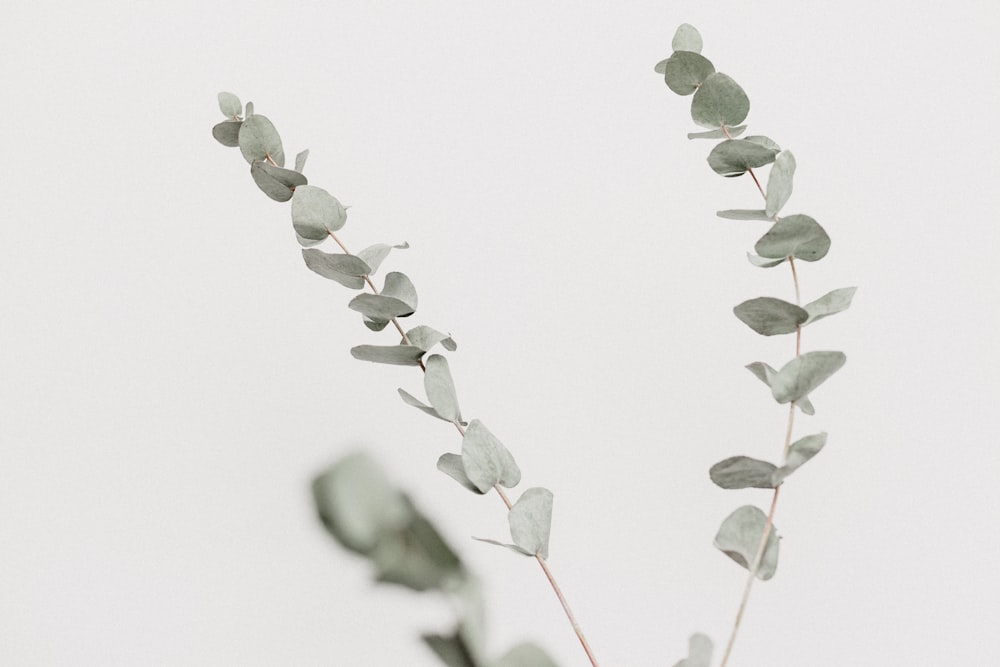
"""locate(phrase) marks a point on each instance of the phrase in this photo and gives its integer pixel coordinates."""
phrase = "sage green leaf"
(259, 140)
(398, 286)
(451, 465)
(769, 316)
(227, 132)
(734, 156)
(374, 324)
(686, 38)
(454, 650)
(487, 462)
(766, 375)
(766, 142)
(277, 183)
(684, 71)
(743, 472)
(399, 355)
(416, 557)
(801, 375)
(743, 214)
(347, 264)
(329, 266)
(300, 160)
(513, 547)
(410, 399)
(526, 655)
(796, 236)
(440, 388)
(799, 452)
(308, 243)
(230, 105)
(379, 309)
(661, 66)
(699, 652)
(358, 505)
(425, 338)
(374, 255)
(830, 303)
(249, 111)
(765, 262)
(719, 101)
(779, 182)
(531, 521)
(316, 213)
(739, 538)
(729, 133)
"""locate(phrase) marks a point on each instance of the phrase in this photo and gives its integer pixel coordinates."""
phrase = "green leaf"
(729, 133)
(249, 111)
(531, 521)
(799, 452)
(699, 652)
(687, 38)
(259, 140)
(410, 399)
(451, 465)
(769, 316)
(399, 355)
(743, 472)
(416, 557)
(830, 303)
(227, 132)
(487, 462)
(331, 266)
(796, 236)
(374, 255)
(426, 338)
(765, 262)
(316, 213)
(779, 182)
(378, 309)
(398, 286)
(733, 157)
(441, 389)
(307, 243)
(454, 651)
(374, 324)
(739, 538)
(230, 105)
(766, 142)
(766, 375)
(719, 101)
(526, 655)
(743, 214)
(685, 71)
(513, 547)
(801, 375)
(300, 160)
(277, 183)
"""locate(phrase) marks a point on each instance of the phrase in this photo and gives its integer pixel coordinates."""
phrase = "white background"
(172, 377)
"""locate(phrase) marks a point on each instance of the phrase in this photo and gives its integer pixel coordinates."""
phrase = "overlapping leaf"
(739, 538)
(796, 236)
(316, 213)
(766, 374)
(830, 303)
(734, 156)
(227, 133)
(277, 183)
(335, 266)
(719, 101)
(259, 140)
(441, 389)
(486, 461)
(804, 373)
(684, 71)
(373, 255)
(398, 299)
(426, 338)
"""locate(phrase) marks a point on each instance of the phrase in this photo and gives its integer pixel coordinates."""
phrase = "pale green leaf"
(330, 266)
(799, 452)
(531, 521)
(316, 213)
(249, 111)
(796, 236)
(743, 214)
(453, 650)
(451, 465)
(729, 133)
(526, 655)
(398, 286)
(513, 547)
(719, 101)
(440, 388)
(426, 338)
(779, 182)
(277, 183)
(227, 132)
(769, 316)
(416, 557)
(743, 472)
(379, 309)
(765, 262)
(739, 538)
(686, 38)
(399, 355)
(230, 105)
(374, 324)
(830, 303)
(410, 399)
(487, 462)
(300, 160)
(801, 375)
(684, 71)
(307, 243)
(374, 255)
(766, 142)
(259, 140)
(734, 156)
(766, 375)
(699, 652)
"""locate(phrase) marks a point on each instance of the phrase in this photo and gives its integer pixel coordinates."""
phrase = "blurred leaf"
(300, 160)
(526, 655)
(684, 71)
(830, 303)
(531, 521)
(796, 236)
(765, 262)
(769, 316)
(799, 452)
(766, 375)
(743, 214)
(440, 388)
(426, 338)
(316, 213)
(687, 38)
(230, 105)
(735, 156)
(398, 286)
(410, 399)
(766, 142)
(454, 651)
(329, 265)
(487, 462)
(451, 465)
(259, 140)
(801, 375)
(739, 538)
(718, 134)
(416, 557)
(400, 355)
(699, 652)
(374, 255)
(227, 132)
(743, 472)
(719, 101)
(779, 182)
(277, 183)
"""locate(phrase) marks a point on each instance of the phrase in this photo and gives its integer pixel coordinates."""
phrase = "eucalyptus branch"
(748, 536)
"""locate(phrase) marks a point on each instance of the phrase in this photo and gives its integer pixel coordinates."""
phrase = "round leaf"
(227, 132)
(686, 38)
(259, 140)
(230, 105)
(277, 183)
(531, 521)
(487, 462)
(796, 236)
(719, 101)
(315, 213)
(801, 375)
(684, 71)
(734, 156)
(743, 472)
(739, 538)
(769, 316)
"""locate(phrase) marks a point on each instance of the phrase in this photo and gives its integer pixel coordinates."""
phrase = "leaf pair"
(743, 472)
(799, 377)
(769, 316)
